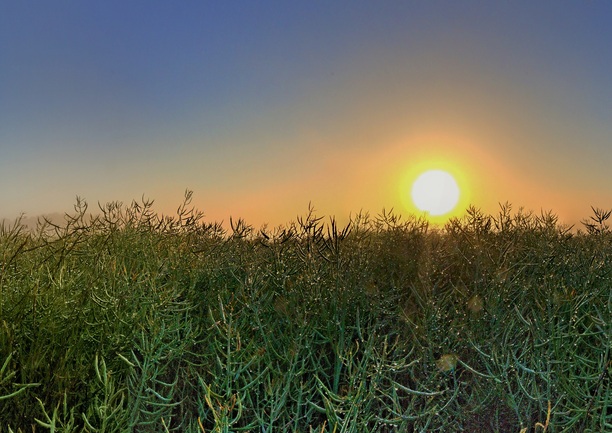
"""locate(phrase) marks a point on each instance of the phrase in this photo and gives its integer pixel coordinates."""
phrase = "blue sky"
(262, 107)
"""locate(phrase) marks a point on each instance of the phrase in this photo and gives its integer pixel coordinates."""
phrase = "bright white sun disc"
(435, 192)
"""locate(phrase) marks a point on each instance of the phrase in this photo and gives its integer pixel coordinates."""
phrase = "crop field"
(122, 320)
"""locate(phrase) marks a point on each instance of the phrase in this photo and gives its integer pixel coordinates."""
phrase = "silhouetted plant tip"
(129, 320)
(596, 224)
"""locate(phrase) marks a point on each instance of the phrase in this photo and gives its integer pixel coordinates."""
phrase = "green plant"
(126, 320)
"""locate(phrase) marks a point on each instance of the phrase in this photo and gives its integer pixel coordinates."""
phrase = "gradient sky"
(262, 107)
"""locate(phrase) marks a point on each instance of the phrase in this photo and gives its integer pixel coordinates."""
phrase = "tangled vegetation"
(130, 321)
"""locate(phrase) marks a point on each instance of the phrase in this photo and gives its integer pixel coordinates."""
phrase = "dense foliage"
(130, 321)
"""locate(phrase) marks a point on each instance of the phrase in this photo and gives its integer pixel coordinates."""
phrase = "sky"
(261, 108)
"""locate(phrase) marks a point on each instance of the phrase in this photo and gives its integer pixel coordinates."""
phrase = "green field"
(128, 321)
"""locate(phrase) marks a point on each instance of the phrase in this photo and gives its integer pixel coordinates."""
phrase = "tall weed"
(127, 320)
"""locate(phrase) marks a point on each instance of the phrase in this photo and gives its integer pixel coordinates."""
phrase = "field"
(127, 321)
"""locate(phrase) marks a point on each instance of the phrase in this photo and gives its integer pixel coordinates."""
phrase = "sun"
(435, 192)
